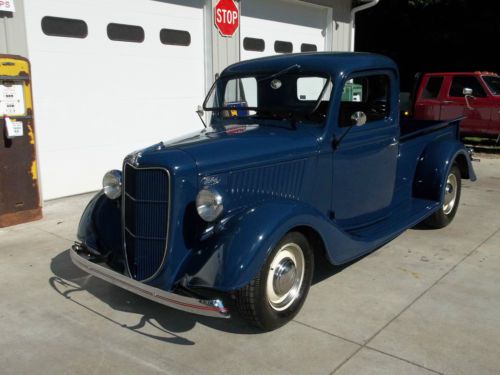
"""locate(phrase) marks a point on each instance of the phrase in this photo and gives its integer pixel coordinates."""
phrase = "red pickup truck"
(476, 95)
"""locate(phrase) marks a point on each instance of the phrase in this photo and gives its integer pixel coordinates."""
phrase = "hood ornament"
(134, 157)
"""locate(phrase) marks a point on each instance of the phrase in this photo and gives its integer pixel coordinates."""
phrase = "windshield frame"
(264, 76)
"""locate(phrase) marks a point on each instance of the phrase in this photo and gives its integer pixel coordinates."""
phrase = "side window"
(459, 83)
(368, 94)
(432, 88)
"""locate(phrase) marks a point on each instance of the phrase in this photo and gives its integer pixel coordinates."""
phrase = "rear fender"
(434, 165)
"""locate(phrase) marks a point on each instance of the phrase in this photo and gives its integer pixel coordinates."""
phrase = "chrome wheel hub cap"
(285, 277)
(450, 194)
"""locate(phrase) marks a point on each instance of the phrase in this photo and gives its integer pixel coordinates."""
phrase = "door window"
(459, 83)
(368, 94)
(432, 88)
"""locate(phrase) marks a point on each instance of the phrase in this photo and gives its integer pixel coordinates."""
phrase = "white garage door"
(110, 77)
(271, 27)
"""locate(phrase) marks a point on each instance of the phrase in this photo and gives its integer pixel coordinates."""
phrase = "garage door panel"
(97, 100)
(282, 21)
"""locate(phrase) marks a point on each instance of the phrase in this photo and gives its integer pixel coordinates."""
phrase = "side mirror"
(200, 111)
(358, 118)
(467, 91)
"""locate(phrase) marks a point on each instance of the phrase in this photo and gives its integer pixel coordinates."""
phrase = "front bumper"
(213, 308)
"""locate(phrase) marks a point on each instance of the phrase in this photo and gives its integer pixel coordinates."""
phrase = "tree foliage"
(432, 35)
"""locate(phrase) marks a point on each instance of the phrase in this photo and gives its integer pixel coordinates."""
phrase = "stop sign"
(227, 17)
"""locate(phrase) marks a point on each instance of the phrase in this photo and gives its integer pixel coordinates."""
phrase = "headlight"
(112, 184)
(209, 204)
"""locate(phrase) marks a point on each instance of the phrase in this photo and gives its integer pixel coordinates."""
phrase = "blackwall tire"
(278, 292)
(444, 216)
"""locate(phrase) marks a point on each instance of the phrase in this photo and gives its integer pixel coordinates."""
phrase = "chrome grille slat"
(146, 214)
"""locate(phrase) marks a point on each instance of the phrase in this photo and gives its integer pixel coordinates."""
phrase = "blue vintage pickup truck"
(304, 159)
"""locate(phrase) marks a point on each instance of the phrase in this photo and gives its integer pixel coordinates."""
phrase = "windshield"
(282, 95)
(493, 83)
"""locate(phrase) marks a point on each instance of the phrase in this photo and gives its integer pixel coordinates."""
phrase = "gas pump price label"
(12, 100)
(14, 128)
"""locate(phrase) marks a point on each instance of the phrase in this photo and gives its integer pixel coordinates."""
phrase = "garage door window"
(306, 47)
(254, 44)
(175, 37)
(65, 27)
(283, 47)
(125, 33)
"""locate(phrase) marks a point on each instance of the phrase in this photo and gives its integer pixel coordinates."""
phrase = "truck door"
(365, 160)
(477, 113)
(493, 83)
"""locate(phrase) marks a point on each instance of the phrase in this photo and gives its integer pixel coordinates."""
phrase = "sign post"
(226, 17)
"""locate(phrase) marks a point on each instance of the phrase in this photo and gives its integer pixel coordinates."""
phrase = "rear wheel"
(446, 213)
(278, 292)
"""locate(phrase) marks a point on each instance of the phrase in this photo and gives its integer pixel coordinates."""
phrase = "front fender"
(434, 165)
(100, 225)
(243, 243)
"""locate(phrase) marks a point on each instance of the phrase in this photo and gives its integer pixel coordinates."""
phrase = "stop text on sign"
(226, 16)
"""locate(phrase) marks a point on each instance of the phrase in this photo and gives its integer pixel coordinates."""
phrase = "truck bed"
(411, 128)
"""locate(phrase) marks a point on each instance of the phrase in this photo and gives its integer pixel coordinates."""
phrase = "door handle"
(394, 143)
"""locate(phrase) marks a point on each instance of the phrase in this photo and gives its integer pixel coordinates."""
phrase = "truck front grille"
(146, 201)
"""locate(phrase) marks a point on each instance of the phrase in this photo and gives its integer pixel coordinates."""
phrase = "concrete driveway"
(428, 302)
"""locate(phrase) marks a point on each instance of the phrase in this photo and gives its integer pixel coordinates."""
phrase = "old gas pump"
(19, 191)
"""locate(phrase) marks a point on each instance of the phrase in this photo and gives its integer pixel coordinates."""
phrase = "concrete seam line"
(328, 333)
(415, 300)
(367, 347)
(403, 359)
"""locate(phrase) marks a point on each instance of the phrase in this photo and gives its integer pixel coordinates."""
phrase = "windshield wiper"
(281, 72)
(323, 91)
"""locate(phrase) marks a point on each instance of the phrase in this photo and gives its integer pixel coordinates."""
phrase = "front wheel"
(452, 190)
(278, 292)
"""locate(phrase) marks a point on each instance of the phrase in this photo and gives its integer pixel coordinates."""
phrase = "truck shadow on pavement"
(156, 321)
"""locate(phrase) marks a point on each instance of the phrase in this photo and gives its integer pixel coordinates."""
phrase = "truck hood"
(240, 146)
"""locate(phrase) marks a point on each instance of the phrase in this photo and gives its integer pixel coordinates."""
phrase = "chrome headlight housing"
(112, 184)
(209, 204)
